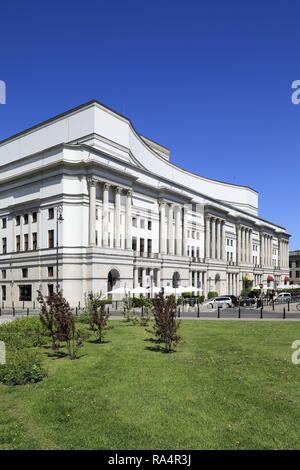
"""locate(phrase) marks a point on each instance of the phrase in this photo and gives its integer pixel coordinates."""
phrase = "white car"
(283, 297)
(223, 301)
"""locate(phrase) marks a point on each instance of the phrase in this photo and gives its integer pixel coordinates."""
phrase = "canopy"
(139, 290)
(288, 286)
(120, 290)
(168, 290)
(154, 290)
(192, 289)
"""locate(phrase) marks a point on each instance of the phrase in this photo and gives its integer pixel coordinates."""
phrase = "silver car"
(223, 301)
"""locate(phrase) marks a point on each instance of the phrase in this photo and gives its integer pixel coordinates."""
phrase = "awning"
(270, 278)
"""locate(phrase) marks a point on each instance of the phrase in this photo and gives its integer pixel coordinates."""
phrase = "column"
(261, 250)
(213, 238)
(264, 250)
(170, 230)
(207, 237)
(13, 245)
(243, 245)
(117, 216)
(158, 278)
(105, 214)
(223, 249)
(135, 277)
(144, 279)
(21, 233)
(162, 228)
(219, 239)
(92, 212)
(38, 231)
(190, 278)
(29, 231)
(204, 287)
(128, 220)
(250, 247)
(279, 252)
(239, 245)
(184, 231)
(178, 231)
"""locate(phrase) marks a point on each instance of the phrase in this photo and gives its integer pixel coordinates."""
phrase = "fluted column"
(218, 239)
(105, 214)
(128, 220)
(213, 238)
(178, 231)
(38, 230)
(144, 278)
(92, 211)
(136, 277)
(223, 250)
(207, 237)
(184, 231)
(250, 247)
(243, 245)
(239, 245)
(117, 216)
(162, 228)
(170, 230)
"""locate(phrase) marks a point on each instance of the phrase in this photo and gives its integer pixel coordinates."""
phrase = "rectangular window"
(3, 293)
(134, 221)
(25, 293)
(25, 219)
(50, 289)
(18, 220)
(34, 241)
(34, 217)
(149, 225)
(18, 243)
(26, 247)
(24, 272)
(3, 273)
(51, 213)
(134, 243)
(4, 223)
(108, 238)
(142, 245)
(97, 237)
(50, 238)
(297, 274)
(188, 233)
(149, 246)
(4, 247)
(142, 223)
(96, 214)
(50, 271)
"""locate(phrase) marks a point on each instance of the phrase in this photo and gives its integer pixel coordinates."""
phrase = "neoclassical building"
(88, 203)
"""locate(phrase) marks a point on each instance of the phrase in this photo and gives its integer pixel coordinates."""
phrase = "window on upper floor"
(134, 243)
(51, 213)
(18, 247)
(34, 217)
(50, 271)
(3, 272)
(149, 224)
(134, 221)
(25, 219)
(34, 240)
(24, 272)
(142, 223)
(26, 247)
(3, 288)
(4, 246)
(18, 220)
(297, 274)
(4, 222)
(50, 238)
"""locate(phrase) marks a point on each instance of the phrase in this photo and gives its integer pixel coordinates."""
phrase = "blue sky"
(209, 79)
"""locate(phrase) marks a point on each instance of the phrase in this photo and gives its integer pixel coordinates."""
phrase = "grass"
(230, 385)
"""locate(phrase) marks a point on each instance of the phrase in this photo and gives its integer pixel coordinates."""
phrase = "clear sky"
(211, 80)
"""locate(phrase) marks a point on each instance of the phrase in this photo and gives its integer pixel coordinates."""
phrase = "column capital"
(106, 185)
(118, 189)
(91, 180)
(128, 192)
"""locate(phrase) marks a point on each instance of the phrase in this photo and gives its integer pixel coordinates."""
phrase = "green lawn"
(230, 385)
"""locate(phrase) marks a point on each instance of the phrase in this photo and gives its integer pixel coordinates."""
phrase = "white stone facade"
(130, 216)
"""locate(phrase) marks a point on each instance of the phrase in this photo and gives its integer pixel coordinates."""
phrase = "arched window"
(112, 278)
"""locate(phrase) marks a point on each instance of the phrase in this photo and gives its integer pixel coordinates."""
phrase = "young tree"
(57, 316)
(165, 322)
(98, 315)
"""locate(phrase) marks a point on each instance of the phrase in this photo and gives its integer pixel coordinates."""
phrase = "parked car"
(223, 301)
(247, 301)
(282, 298)
(235, 300)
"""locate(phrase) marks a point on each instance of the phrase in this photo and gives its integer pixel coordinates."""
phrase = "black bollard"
(261, 312)
(239, 315)
(27, 312)
(283, 313)
(179, 312)
(76, 311)
(14, 312)
(198, 311)
(142, 312)
(273, 305)
(288, 306)
(219, 311)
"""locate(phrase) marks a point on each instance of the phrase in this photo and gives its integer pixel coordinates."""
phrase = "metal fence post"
(239, 315)
(261, 312)
(288, 305)
(283, 313)
(198, 311)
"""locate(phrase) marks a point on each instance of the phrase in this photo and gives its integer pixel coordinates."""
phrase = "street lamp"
(59, 220)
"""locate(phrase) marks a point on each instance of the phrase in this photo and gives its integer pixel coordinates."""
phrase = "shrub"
(57, 317)
(98, 315)
(22, 367)
(166, 325)
(212, 294)
(23, 333)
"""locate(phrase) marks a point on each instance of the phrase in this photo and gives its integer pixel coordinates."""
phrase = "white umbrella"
(192, 289)
(120, 290)
(168, 290)
(154, 290)
(139, 290)
(288, 286)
